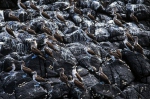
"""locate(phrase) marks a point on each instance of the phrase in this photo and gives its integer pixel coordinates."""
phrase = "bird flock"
(45, 38)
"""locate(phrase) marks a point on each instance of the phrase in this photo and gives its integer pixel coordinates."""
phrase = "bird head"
(34, 73)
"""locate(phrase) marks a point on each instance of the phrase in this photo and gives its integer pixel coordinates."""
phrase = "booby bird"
(32, 6)
(58, 36)
(103, 77)
(37, 78)
(116, 53)
(48, 52)
(63, 77)
(12, 17)
(45, 29)
(91, 17)
(26, 69)
(137, 47)
(116, 21)
(36, 51)
(9, 31)
(21, 5)
(89, 51)
(79, 84)
(52, 38)
(61, 18)
(134, 18)
(90, 35)
(45, 15)
(127, 44)
(75, 74)
(50, 45)
(129, 36)
(29, 30)
(118, 15)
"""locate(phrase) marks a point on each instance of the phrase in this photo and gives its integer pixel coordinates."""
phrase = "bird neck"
(136, 41)
(115, 17)
(34, 76)
(13, 67)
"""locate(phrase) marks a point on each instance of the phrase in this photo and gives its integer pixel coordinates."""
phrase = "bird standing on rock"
(63, 77)
(103, 77)
(12, 17)
(38, 78)
(45, 15)
(75, 74)
(118, 15)
(137, 47)
(58, 36)
(116, 21)
(29, 30)
(9, 31)
(50, 45)
(21, 6)
(32, 6)
(127, 44)
(45, 29)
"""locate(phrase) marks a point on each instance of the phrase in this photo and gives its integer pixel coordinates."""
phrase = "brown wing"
(138, 48)
(27, 70)
(119, 53)
(91, 17)
(58, 37)
(30, 31)
(79, 84)
(129, 46)
(76, 10)
(14, 18)
(61, 18)
(91, 52)
(47, 30)
(63, 78)
(51, 46)
(104, 78)
(115, 54)
(134, 18)
(10, 32)
(130, 37)
(40, 79)
(118, 23)
(34, 7)
(52, 38)
(119, 16)
(79, 77)
(23, 6)
(36, 51)
(48, 52)
(45, 15)
(41, 57)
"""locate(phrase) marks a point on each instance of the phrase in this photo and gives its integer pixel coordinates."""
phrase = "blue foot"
(46, 55)
(102, 83)
(24, 75)
(34, 56)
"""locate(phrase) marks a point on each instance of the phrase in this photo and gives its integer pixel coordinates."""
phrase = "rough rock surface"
(103, 46)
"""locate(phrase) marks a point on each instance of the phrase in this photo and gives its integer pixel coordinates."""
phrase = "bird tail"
(68, 85)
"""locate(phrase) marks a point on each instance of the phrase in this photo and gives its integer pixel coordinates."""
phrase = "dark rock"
(118, 73)
(106, 91)
(138, 64)
(30, 90)
(138, 90)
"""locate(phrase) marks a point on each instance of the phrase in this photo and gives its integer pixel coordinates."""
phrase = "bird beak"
(67, 8)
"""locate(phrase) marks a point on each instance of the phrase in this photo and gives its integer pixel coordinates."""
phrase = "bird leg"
(36, 86)
(78, 93)
(35, 56)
